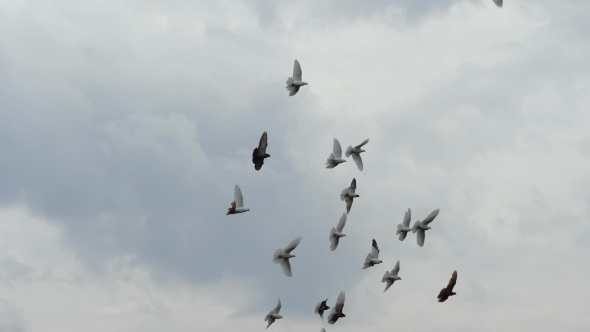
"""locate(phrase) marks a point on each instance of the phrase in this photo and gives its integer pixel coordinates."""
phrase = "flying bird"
(348, 195)
(391, 277)
(337, 310)
(422, 226)
(498, 3)
(321, 307)
(356, 154)
(404, 227)
(273, 315)
(448, 291)
(237, 206)
(295, 82)
(335, 157)
(373, 257)
(259, 153)
(323, 330)
(336, 232)
(282, 256)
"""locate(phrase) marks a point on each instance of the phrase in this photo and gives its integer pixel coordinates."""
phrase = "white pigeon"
(337, 310)
(335, 157)
(404, 227)
(498, 3)
(336, 232)
(273, 315)
(237, 206)
(282, 256)
(295, 82)
(372, 258)
(390, 277)
(422, 226)
(348, 195)
(356, 154)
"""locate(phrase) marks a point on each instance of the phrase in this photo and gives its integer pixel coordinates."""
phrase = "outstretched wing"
(374, 250)
(349, 201)
(238, 198)
(407, 218)
(297, 73)
(395, 270)
(498, 3)
(339, 303)
(337, 149)
(292, 245)
(286, 266)
(317, 308)
(263, 144)
(277, 308)
(389, 283)
(430, 217)
(352, 188)
(358, 160)
(341, 223)
(334, 243)
(420, 237)
(452, 282)
(293, 90)
(361, 145)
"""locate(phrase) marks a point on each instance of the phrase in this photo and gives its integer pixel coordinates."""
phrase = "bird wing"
(286, 266)
(258, 162)
(358, 160)
(317, 308)
(337, 149)
(238, 198)
(452, 282)
(292, 245)
(375, 249)
(442, 293)
(367, 261)
(297, 73)
(420, 237)
(270, 321)
(395, 270)
(263, 143)
(402, 236)
(407, 218)
(341, 223)
(498, 3)
(293, 90)
(389, 283)
(339, 303)
(430, 217)
(323, 330)
(331, 316)
(352, 188)
(361, 145)
(277, 308)
(334, 243)
(349, 201)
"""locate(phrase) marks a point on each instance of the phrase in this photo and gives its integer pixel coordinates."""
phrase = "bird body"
(373, 257)
(259, 153)
(295, 82)
(282, 256)
(355, 152)
(404, 227)
(237, 206)
(336, 312)
(421, 227)
(273, 315)
(335, 157)
(391, 277)
(448, 291)
(336, 232)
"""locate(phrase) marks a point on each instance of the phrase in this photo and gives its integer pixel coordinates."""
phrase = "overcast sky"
(124, 126)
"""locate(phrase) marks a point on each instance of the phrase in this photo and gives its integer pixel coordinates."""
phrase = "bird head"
(361, 150)
(247, 209)
(453, 293)
(266, 155)
(357, 195)
(304, 83)
(342, 315)
(400, 278)
(343, 235)
(278, 316)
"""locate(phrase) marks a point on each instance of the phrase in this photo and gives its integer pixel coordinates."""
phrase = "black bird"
(448, 291)
(259, 153)
(337, 310)
(321, 307)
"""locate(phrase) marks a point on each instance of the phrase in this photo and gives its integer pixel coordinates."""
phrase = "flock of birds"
(283, 255)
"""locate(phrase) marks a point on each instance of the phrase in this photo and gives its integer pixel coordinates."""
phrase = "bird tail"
(329, 161)
(276, 256)
(343, 194)
(289, 83)
(332, 233)
(384, 279)
(415, 227)
(399, 227)
(348, 151)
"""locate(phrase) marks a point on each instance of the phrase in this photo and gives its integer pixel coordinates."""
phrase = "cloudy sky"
(124, 126)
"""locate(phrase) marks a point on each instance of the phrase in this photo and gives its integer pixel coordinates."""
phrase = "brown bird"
(237, 206)
(448, 291)
(321, 307)
(259, 153)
